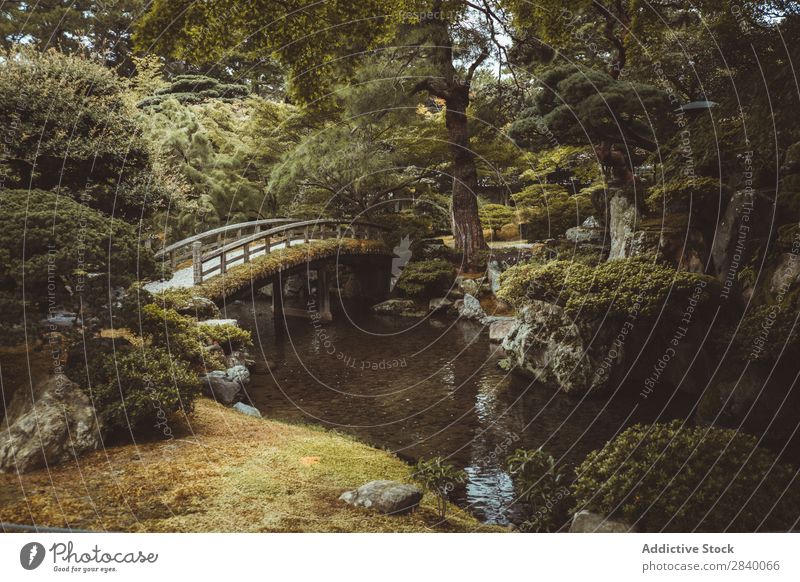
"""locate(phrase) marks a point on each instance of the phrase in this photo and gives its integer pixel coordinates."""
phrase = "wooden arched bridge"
(276, 249)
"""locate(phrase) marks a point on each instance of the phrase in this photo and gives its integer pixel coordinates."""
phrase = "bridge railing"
(261, 242)
(182, 250)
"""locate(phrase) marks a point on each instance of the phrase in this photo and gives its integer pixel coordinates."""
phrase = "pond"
(427, 387)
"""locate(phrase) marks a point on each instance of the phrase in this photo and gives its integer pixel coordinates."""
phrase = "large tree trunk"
(467, 230)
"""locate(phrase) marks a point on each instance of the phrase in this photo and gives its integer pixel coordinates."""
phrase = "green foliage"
(548, 210)
(679, 195)
(611, 288)
(137, 391)
(495, 216)
(668, 477)
(185, 300)
(440, 478)
(426, 279)
(575, 102)
(230, 337)
(194, 89)
(208, 147)
(542, 484)
(71, 129)
(55, 251)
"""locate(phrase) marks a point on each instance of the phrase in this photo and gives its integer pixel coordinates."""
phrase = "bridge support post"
(324, 294)
(197, 262)
(277, 297)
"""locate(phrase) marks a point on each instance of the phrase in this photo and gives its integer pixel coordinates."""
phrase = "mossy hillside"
(223, 472)
(241, 276)
(668, 477)
(612, 288)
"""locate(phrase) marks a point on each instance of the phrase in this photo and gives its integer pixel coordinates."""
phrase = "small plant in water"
(440, 478)
(542, 485)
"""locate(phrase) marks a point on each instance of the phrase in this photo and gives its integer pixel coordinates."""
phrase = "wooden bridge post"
(246, 253)
(277, 297)
(267, 244)
(288, 242)
(197, 262)
(305, 235)
(324, 294)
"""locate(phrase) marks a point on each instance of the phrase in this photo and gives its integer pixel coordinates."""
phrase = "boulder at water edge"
(391, 497)
(46, 426)
(401, 307)
(471, 308)
(221, 388)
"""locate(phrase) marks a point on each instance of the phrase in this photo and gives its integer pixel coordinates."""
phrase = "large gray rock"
(221, 388)
(49, 425)
(622, 224)
(786, 276)
(390, 497)
(547, 345)
(469, 286)
(238, 373)
(401, 307)
(500, 327)
(587, 522)
(493, 272)
(585, 235)
(471, 308)
(221, 322)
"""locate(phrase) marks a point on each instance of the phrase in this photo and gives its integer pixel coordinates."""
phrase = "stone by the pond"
(47, 426)
(219, 386)
(471, 308)
(439, 303)
(500, 328)
(390, 497)
(469, 286)
(402, 307)
(246, 409)
(588, 522)
(238, 373)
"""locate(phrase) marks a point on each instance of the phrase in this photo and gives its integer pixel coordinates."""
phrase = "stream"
(427, 387)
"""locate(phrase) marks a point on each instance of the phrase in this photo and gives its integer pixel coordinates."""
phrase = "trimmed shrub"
(665, 477)
(229, 336)
(613, 288)
(548, 210)
(495, 217)
(137, 391)
(426, 279)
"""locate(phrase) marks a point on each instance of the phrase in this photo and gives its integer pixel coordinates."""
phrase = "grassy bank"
(223, 472)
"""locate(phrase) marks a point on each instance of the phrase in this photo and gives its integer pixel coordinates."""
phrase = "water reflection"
(424, 388)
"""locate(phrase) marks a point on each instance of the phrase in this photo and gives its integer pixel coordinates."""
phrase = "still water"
(427, 387)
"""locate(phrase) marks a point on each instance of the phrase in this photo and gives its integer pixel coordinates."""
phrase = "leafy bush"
(425, 279)
(665, 477)
(229, 336)
(440, 478)
(542, 485)
(53, 249)
(136, 391)
(548, 210)
(183, 299)
(613, 288)
(495, 216)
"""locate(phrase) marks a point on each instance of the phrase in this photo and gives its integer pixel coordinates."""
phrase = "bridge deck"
(184, 277)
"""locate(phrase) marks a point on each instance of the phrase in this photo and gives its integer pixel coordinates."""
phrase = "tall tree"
(441, 42)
